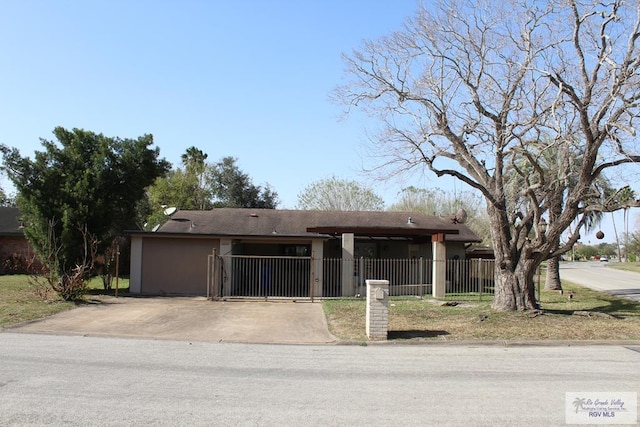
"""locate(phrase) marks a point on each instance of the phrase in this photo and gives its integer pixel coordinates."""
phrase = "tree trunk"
(514, 271)
(514, 290)
(552, 282)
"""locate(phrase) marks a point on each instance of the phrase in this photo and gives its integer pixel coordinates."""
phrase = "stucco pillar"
(348, 242)
(439, 265)
(135, 272)
(225, 249)
(317, 280)
(377, 317)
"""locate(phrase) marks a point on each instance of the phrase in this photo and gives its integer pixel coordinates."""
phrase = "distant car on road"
(604, 259)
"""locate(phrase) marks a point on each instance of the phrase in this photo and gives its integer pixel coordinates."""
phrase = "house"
(244, 252)
(16, 255)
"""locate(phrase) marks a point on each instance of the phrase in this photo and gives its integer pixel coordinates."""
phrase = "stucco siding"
(175, 266)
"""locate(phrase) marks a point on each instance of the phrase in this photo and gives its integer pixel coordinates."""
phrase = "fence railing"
(410, 277)
(300, 277)
(264, 276)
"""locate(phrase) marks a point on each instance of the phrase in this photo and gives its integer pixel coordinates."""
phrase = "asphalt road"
(75, 380)
(597, 275)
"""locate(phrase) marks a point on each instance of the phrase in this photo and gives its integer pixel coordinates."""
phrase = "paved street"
(597, 275)
(75, 380)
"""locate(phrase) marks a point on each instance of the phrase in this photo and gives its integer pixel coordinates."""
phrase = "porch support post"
(317, 280)
(439, 265)
(135, 275)
(347, 264)
(225, 249)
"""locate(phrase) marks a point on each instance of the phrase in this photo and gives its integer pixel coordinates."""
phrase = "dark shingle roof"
(9, 222)
(268, 222)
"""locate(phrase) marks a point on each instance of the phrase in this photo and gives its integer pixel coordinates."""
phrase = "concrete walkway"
(192, 319)
(598, 276)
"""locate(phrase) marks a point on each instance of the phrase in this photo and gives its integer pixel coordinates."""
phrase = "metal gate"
(245, 276)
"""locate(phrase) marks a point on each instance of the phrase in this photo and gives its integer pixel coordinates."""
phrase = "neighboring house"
(177, 258)
(16, 255)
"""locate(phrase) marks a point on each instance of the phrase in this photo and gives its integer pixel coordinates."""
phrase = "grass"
(22, 300)
(627, 266)
(424, 319)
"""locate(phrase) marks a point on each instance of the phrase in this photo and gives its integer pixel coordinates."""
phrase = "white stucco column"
(317, 280)
(348, 253)
(439, 265)
(135, 272)
(225, 249)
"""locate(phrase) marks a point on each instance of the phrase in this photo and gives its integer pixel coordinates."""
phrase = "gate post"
(377, 317)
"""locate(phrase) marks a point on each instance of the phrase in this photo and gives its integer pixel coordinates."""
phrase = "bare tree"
(69, 284)
(436, 201)
(466, 86)
(333, 194)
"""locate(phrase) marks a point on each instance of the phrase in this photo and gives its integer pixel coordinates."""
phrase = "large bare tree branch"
(530, 103)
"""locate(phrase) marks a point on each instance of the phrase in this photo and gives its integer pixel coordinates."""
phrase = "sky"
(245, 78)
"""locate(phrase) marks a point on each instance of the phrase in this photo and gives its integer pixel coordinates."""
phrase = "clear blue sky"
(244, 78)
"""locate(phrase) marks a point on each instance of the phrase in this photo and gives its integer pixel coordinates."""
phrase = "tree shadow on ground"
(92, 296)
(619, 308)
(406, 335)
(110, 292)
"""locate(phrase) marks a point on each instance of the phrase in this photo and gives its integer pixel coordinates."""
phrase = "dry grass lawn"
(22, 300)
(425, 319)
(627, 266)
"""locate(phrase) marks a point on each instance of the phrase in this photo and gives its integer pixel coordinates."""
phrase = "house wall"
(456, 250)
(162, 265)
(175, 266)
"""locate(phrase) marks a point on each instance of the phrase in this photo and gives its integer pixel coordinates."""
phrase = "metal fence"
(260, 276)
(472, 276)
(405, 276)
(410, 277)
(298, 277)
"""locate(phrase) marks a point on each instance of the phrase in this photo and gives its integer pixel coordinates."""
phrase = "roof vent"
(253, 215)
(409, 220)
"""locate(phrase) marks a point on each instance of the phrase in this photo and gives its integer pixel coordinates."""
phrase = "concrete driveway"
(192, 319)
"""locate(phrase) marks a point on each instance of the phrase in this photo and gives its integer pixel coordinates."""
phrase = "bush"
(18, 263)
